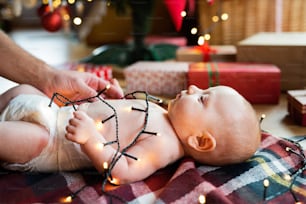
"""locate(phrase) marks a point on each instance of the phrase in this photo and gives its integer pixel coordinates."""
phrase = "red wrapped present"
(297, 106)
(258, 83)
(102, 71)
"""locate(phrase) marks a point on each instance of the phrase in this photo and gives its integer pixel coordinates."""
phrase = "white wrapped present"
(157, 78)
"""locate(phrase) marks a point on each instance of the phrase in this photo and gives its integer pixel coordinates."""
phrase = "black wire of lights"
(119, 151)
(295, 149)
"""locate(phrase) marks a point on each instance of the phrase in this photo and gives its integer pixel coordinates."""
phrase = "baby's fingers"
(69, 136)
(70, 129)
(79, 115)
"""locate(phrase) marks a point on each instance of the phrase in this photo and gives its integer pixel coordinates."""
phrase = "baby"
(216, 126)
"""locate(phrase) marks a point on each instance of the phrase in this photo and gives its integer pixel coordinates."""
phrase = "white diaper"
(59, 154)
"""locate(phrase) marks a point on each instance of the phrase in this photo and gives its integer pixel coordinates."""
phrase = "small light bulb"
(288, 149)
(66, 17)
(81, 68)
(77, 21)
(71, 1)
(114, 181)
(67, 199)
(128, 108)
(287, 177)
(201, 40)
(202, 199)
(194, 31)
(207, 36)
(99, 125)
(183, 13)
(105, 165)
(100, 146)
(266, 183)
(108, 86)
(262, 117)
(215, 19)
(224, 16)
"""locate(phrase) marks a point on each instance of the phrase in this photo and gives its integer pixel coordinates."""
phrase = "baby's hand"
(80, 128)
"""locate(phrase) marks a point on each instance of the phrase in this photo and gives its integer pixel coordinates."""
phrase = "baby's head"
(216, 126)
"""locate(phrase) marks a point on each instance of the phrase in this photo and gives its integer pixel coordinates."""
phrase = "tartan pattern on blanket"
(181, 182)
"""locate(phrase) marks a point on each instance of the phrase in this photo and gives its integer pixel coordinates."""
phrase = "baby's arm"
(82, 129)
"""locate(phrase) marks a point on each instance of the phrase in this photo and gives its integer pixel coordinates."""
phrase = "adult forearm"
(20, 66)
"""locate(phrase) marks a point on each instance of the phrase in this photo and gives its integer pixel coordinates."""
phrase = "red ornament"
(52, 21)
(43, 9)
(210, 2)
(175, 8)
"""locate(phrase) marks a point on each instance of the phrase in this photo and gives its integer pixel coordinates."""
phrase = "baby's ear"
(203, 143)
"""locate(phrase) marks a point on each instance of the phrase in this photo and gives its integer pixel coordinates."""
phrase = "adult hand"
(23, 68)
(79, 85)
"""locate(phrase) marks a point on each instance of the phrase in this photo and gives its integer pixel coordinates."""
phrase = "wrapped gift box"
(286, 50)
(224, 53)
(102, 71)
(157, 78)
(258, 83)
(158, 39)
(297, 106)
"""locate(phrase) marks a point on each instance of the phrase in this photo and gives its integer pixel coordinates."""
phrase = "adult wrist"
(45, 78)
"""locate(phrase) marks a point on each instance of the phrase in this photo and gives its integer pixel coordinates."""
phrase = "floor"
(54, 48)
(58, 48)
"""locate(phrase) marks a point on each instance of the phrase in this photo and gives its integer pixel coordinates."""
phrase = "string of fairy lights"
(60, 14)
(295, 149)
(120, 151)
(292, 147)
(203, 34)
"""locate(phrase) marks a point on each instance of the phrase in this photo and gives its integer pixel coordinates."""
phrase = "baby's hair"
(244, 134)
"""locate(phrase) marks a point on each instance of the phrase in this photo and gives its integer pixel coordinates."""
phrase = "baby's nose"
(191, 89)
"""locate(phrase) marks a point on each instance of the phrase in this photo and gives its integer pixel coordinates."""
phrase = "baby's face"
(194, 110)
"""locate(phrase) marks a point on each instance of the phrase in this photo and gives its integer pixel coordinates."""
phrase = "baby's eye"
(203, 99)
(200, 99)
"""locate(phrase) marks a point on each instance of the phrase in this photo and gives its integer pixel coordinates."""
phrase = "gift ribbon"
(206, 51)
(213, 74)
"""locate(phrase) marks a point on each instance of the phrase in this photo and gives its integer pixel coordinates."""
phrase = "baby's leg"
(21, 141)
(15, 91)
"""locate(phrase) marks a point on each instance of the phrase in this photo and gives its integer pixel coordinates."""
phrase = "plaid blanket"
(182, 182)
